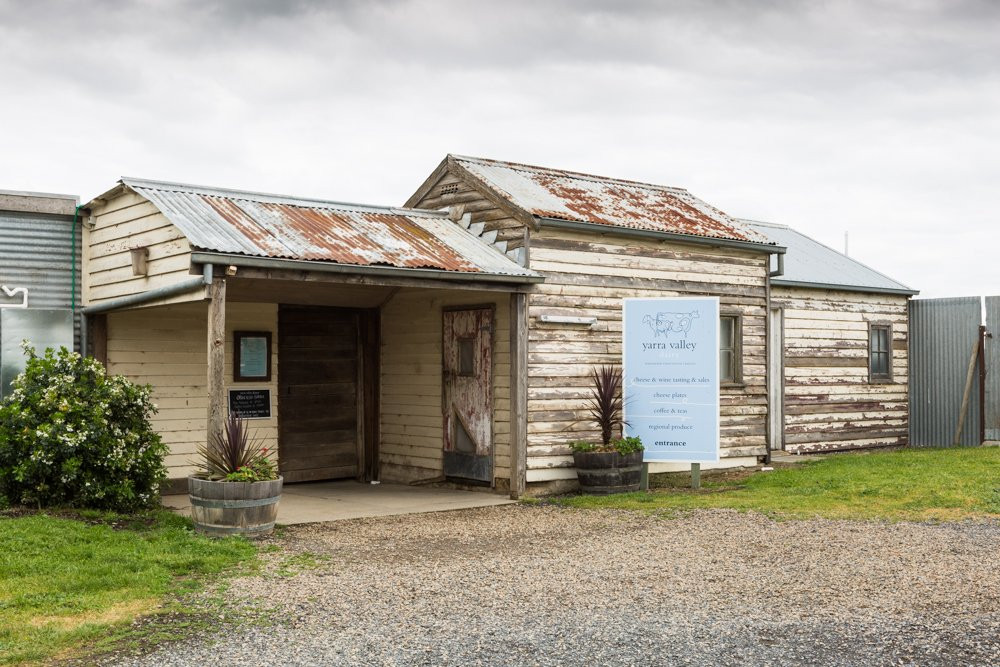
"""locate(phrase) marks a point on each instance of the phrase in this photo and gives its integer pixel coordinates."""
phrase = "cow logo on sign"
(664, 323)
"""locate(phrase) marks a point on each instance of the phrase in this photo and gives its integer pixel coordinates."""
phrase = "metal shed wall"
(942, 332)
(36, 252)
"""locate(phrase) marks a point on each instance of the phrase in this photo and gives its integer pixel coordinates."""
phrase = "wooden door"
(468, 394)
(318, 377)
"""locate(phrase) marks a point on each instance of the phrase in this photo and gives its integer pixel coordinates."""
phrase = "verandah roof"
(280, 227)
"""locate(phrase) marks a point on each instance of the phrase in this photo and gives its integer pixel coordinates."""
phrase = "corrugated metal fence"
(992, 358)
(36, 253)
(942, 335)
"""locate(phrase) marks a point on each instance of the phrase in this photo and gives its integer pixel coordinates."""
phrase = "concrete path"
(334, 501)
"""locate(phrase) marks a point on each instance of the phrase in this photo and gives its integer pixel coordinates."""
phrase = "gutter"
(225, 259)
(141, 298)
(594, 228)
(846, 288)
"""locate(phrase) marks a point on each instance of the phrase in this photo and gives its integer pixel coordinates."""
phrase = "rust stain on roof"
(288, 228)
(567, 195)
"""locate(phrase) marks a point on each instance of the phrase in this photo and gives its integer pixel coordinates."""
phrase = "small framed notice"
(250, 403)
(252, 356)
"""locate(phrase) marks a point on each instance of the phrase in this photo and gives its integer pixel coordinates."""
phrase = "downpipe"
(142, 298)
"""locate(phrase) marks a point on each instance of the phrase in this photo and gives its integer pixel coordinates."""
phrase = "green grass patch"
(909, 484)
(68, 581)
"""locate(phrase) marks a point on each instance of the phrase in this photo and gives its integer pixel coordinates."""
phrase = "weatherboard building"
(453, 338)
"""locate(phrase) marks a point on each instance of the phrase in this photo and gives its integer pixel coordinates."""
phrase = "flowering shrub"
(71, 435)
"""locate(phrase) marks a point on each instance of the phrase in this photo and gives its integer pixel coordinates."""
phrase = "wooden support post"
(695, 475)
(216, 357)
(518, 392)
(982, 384)
(644, 478)
(969, 376)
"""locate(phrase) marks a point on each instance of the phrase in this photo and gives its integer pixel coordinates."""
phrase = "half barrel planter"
(601, 473)
(234, 508)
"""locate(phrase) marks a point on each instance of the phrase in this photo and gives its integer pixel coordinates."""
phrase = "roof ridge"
(521, 166)
(751, 221)
(291, 200)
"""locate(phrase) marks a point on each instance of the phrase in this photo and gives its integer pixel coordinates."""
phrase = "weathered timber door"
(468, 394)
(318, 378)
(776, 380)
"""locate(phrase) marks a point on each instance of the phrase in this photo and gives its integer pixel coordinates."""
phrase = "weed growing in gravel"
(301, 562)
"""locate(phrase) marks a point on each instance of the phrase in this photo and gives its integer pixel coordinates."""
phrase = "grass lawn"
(66, 581)
(907, 484)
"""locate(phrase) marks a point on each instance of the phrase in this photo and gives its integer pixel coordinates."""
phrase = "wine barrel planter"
(234, 508)
(601, 473)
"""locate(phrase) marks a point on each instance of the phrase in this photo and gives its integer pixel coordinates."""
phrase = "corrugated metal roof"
(262, 225)
(567, 195)
(809, 262)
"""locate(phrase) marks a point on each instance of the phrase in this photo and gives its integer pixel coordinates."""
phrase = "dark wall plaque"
(250, 403)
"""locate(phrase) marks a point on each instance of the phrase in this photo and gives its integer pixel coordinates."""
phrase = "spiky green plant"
(234, 456)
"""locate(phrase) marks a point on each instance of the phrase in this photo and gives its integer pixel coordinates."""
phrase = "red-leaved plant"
(605, 403)
(233, 456)
(605, 406)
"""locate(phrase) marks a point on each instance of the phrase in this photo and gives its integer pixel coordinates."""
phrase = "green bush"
(71, 435)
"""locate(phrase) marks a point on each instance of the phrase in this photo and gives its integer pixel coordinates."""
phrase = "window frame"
(238, 337)
(737, 349)
(873, 377)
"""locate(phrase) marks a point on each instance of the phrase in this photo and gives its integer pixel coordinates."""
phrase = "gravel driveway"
(522, 585)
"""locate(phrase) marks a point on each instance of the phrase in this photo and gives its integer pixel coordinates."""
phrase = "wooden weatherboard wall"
(829, 402)
(449, 186)
(587, 275)
(121, 224)
(166, 347)
(412, 434)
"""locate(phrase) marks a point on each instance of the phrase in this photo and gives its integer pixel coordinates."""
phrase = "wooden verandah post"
(518, 392)
(216, 357)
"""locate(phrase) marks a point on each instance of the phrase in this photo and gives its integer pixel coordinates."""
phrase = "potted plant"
(615, 464)
(236, 487)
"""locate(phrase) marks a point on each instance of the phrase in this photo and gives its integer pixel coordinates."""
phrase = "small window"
(730, 353)
(880, 353)
(467, 356)
(252, 356)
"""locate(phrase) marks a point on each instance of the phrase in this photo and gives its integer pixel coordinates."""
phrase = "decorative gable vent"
(449, 189)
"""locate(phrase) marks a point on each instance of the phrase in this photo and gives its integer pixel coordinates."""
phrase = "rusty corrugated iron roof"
(263, 225)
(567, 195)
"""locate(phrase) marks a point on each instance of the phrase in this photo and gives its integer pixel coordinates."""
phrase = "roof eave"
(105, 197)
(209, 257)
(844, 288)
(595, 228)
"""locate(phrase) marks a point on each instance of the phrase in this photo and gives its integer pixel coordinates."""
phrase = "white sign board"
(670, 361)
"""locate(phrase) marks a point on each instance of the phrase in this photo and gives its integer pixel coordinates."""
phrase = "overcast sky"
(879, 119)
